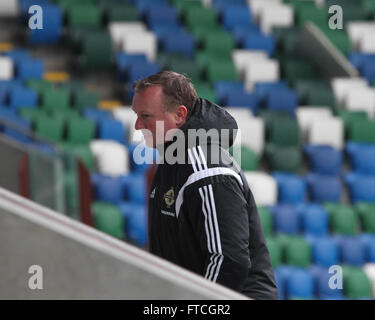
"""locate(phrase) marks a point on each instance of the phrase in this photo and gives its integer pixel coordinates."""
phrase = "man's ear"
(180, 115)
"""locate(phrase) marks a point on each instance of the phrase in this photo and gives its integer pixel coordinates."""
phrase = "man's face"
(149, 107)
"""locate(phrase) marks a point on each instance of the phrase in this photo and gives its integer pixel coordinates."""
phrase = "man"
(202, 215)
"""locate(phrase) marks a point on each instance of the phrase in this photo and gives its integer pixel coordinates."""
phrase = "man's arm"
(218, 209)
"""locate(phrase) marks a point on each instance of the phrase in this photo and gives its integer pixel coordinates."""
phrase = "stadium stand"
(307, 144)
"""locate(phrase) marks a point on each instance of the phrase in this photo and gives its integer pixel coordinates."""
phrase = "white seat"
(242, 58)
(369, 270)
(9, 8)
(361, 99)
(357, 29)
(118, 30)
(307, 114)
(276, 16)
(341, 87)
(112, 158)
(6, 68)
(263, 186)
(327, 131)
(261, 71)
(367, 43)
(258, 5)
(128, 117)
(240, 114)
(141, 42)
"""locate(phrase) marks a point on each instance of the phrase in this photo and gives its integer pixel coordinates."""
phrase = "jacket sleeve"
(219, 214)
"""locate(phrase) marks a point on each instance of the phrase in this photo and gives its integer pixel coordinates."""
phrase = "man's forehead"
(148, 97)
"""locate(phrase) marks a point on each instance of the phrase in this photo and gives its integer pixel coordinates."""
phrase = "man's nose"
(138, 124)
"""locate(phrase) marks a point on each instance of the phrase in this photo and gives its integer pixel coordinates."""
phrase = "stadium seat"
(135, 184)
(108, 218)
(266, 219)
(369, 269)
(183, 5)
(95, 114)
(308, 114)
(297, 69)
(111, 129)
(300, 285)
(124, 61)
(49, 128)
(322, 277)
(275, 251)
(112, 158)
(30, 69)
(141, 70)
(324, 159)
(55, 99)
(108, 189)
(22, 97)
(205, 19)
(119, 31)
(362, 157)
(341, 86)
(284, 132)
(252, 134)
(343, 219)
(136, 222)
(362, 131)
(143, 42)
(96, 51)
(298, 252)
(282, 275)
(259, 41)
(350, 117)
(292, 188)
(80, 131)
(286, 159)
(122, 12)
(236, 15)
(361, 187)
(161, 14)
(261, 71)
(178, 42)
(225, 71)
(314, 220)
(263, 187)
(6, 68)
(286, 219)
(365, 212)
(324, 188)
(352, 251)
(263, 89)
(327, 131)
(325, 251)
(356, 283)
(83, 15)
(242, 58)
(282, 100)
(276, 16)
(248, 159)
(225, 88)
(361, 99)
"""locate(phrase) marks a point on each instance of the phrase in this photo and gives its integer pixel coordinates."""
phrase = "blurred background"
(303, 96)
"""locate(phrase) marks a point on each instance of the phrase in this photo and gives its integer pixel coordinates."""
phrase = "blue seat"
(286, 219)
(300, 285)
(324, 188)
(368, 241)
(352, 251)
(22, 97)
(223, 88)
(362, 157)
(95, 114)
(292, 189)
(142, 157)
(361, 187)
(163, 29)
(322, 278)
(358, 59)
(135, 222)
(324, 159)
(144, 5)
(111, 129)
(108, 189)
(263, 89)
(239, 33)
(285, 100)
(140, 70)
(30, 69)
(178, 42)
(161, 14)
(242, 99)
(135, 187)
(325, 251)
(14, 126)
(52, 26)
(17, 54)
(282, 275)
(235, 15)
(314, 220)
(368, 71)
(124, 61)
(259, 41)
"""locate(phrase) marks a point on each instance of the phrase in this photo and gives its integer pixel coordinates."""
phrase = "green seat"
(339, 38)
(50, 128)
(31, 113)
(65, 4)
(184, 5)
(318, 16)
(284, 132)
(218, 44)
(225, 71)
(362, 131)
(205, 19)
(294, 70)
(82, 152)
(186, 66)
(342, 219)
(83, 15)
(350, 117)
(356, 284)
(204, 90)
(97, 51)
(280, 158)
(108, 218)
(297, 4)
(55, 99)
(271, 116)
(322, 97)
(366, 214)
(369, 7)
(275, 250)
(298, 252)
(80, 131)
(82, 99)
(122, 12)
(39, 85)
(65, 114)
(249, 160)
(266, 220)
